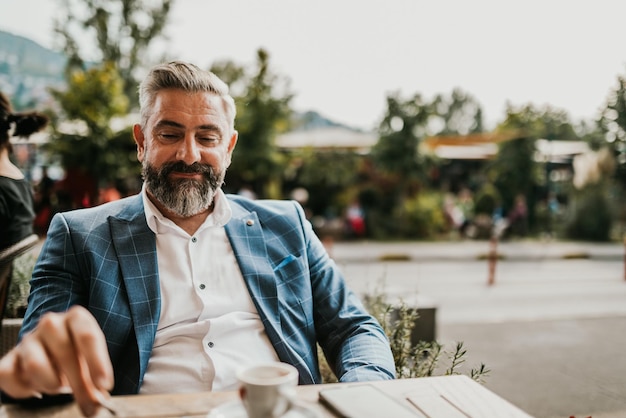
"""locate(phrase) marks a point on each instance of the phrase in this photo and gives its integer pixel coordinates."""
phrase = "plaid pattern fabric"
(104, 258)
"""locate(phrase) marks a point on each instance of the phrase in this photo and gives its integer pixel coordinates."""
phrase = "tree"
(514, 170)
(89, 148)
(121, 30)
(397, 151)
(101, 85)
(545, 122)
(263, 111)
(403, 170)
(612, 124)
(408, 122)
(397, 161)
(329, 177)
(460, 113)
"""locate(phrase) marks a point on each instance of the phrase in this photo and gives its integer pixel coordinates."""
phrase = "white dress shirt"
(209, 326)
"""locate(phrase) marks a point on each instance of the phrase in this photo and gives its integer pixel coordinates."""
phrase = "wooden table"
(430, 397)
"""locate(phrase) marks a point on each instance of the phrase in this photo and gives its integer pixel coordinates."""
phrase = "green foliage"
(85, 140)
(590, 216)
(533, 122)
(377, 201)
(487, 200)
(613, 117)
(423, 359)
(513, 169)
(422, 216)
(397, 150)
(328, 176)
(120, 30)
(612, 124)
(396, 155)
(461, 113)
(407, 123)
(17, 299)
(426, 358)
(419, 217)
(94, 96)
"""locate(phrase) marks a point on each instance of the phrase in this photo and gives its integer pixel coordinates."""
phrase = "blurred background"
(396, 158)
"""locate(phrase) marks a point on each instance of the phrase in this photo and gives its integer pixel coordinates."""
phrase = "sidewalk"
(473, 250)
(531, 280)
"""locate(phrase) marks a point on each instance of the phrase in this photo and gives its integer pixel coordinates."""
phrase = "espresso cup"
(268, 390)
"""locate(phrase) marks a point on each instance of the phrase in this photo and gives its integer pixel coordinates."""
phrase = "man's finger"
(11, 379)
(35, 368)
(91, 347)
(85, 353)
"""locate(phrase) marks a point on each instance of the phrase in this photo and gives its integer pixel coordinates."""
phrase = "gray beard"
(183, 197)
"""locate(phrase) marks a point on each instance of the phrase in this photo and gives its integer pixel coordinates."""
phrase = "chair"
(7, 256)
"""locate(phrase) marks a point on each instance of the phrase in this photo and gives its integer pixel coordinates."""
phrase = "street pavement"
(551, 327)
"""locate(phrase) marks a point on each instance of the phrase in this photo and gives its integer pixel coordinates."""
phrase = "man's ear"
(231, 146)
(233, 141)
(140, 141)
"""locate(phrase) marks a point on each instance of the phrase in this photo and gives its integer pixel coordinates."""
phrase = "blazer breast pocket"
(291, 273)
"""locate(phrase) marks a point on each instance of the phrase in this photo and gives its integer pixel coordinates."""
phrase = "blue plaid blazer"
(104, 258)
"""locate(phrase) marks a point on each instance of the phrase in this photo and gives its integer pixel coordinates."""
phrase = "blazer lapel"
(248, 242)
(135, 245)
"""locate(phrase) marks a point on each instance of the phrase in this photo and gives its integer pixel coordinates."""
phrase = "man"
(178, 287)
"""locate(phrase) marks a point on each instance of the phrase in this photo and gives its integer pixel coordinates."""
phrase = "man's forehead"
(176, 104)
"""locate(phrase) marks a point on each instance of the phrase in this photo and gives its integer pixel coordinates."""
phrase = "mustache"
(180, 167)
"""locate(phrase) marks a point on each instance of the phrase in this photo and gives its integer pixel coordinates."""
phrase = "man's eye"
(209, 139)
(168, 136)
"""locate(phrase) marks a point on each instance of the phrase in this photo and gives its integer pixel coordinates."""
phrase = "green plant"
(17, 299)
(420, 360)
(591, 215)
(487, 200)
(423, 216)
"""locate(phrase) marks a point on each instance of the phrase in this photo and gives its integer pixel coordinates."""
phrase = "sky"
(344, 57)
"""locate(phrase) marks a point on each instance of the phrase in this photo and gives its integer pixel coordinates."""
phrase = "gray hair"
(183, 76)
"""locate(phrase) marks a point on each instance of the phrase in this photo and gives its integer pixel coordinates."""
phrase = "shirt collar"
(158, 223)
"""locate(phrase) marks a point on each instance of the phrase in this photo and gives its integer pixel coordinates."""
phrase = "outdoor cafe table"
(429, 397)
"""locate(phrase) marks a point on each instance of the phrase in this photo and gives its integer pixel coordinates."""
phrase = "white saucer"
(235, 409)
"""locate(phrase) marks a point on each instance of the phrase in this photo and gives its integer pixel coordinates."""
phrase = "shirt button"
(249, 222)
(194, 239)
(210, 344)
(202, 286)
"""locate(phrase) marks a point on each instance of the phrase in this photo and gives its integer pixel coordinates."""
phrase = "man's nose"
(188, 151)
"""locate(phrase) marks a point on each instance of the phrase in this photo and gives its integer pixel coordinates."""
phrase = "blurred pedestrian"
(17, 211)
(518, 216)
(355, 218)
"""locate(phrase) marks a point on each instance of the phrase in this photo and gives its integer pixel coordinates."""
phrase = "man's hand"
(65, 353)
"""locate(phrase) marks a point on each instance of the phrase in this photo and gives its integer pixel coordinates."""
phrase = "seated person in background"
(17, 209)
(178, 287)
